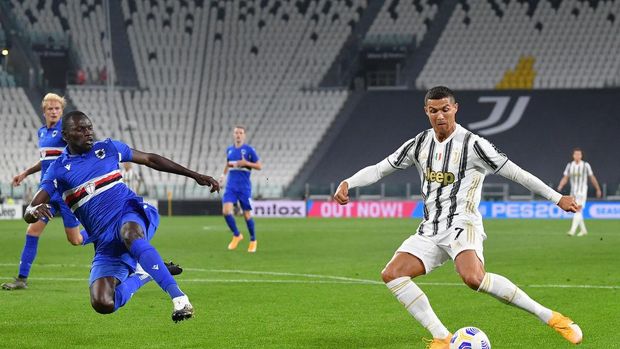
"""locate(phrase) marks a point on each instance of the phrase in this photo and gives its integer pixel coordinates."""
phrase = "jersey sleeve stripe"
(403, 155)
(483, 156)
(389, 162)
(416, 153)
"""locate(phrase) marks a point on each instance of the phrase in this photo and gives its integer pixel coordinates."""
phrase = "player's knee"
(102, 305)
(473, 280)
(388, 274)
(75, 240)
(130, 232)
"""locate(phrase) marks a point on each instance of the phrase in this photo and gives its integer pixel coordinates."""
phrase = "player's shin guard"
(250, 224)
(28, 255)
(230, 220)
(417, 304)
(504, 290)
(127, 288)
(151, 261)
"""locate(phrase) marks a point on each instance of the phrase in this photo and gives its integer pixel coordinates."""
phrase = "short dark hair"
(439, 92)
(579, 150)
(75, 114)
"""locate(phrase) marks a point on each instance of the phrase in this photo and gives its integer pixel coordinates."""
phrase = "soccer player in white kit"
(452, 163)
(578, 171)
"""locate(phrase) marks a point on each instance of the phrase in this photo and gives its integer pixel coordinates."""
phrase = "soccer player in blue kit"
(120, 225)
(51, 146)
(241, 159)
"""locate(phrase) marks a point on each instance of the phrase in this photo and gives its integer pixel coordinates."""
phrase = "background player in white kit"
(452, 163)
(578, 171)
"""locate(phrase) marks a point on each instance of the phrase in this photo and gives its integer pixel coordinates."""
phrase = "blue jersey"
(91, 184)
(239, 177)
(51, 145)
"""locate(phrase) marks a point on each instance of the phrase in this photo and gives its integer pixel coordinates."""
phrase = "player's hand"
(342, 193)
(208, 181)
(17, 180)
(40, 211)
(568, 204)
(598, 193)
(221, 180)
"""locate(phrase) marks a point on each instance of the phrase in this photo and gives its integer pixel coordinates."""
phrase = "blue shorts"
(111, 255)
(244, 196)
(57, 205)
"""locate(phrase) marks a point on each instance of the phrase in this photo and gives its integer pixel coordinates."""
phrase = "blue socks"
(151, 261)
(28, 255)
(230, 220)
(127, 288)
(250, 223)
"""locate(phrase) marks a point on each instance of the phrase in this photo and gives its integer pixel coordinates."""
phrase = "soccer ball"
(470, 338)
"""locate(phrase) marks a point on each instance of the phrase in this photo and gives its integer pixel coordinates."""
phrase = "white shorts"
(435, 250)
(581, 199)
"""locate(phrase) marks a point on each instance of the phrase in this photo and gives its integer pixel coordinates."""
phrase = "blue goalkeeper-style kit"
(91, 186)
(51, 145)
(238, 185)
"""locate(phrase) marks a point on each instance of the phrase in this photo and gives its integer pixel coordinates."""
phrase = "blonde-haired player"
(51, 145)
(578, 171)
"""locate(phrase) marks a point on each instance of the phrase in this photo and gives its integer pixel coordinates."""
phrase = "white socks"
(417, 304)
(504, 290)
(577, 221)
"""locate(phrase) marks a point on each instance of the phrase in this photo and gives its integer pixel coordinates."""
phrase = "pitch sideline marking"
(332, 279)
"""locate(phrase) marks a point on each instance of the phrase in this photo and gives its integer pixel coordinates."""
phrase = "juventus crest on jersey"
(578, 174)
(451, 174)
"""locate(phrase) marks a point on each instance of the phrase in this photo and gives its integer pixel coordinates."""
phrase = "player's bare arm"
(596, 186)
(38, 207)
(17, 180)
(160, 163)
(563, 182)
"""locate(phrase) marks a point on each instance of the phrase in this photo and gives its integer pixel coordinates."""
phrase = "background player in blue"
(51, 146)
(120, 224)
(240, 160)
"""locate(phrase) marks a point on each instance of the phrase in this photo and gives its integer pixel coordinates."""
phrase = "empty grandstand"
(191, 70)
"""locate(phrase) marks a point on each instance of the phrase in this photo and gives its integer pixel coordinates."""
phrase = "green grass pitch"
(314, 283)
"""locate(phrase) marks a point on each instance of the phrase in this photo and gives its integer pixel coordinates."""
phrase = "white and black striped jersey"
(132, 179)
(578, 173)
(451, 174)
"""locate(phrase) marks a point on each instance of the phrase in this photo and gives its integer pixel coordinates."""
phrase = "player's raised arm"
(38, 207)
(160, 163)
(516, 174)
(17, 180)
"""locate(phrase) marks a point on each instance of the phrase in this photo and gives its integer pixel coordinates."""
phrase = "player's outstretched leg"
(413, 298)
(506, 291)
(150, 259)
